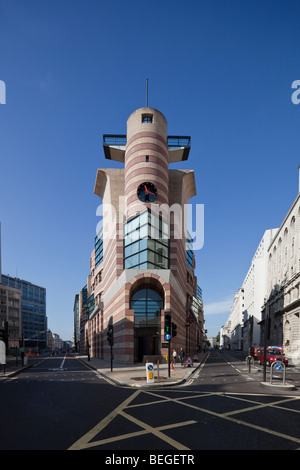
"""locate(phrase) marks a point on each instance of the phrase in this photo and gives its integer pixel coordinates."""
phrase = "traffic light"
(173, 330)
(110, 334)
(168, 326)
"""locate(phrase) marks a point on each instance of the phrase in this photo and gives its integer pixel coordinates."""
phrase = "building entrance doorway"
(147, 304)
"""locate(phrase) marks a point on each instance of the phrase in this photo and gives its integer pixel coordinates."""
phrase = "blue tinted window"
(99, 248)
(146, 243)
(147, 305)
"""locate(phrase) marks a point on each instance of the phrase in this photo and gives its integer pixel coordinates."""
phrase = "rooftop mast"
(147, 92)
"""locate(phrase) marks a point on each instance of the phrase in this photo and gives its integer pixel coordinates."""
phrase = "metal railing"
(117, 139)
(121, 139)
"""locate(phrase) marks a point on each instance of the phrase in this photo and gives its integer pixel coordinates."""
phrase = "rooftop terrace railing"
(121, 139)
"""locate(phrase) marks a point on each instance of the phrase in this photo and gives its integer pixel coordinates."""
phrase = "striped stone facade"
(111, 284)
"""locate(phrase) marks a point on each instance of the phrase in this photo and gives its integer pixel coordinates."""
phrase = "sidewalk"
(13, 367)
(134, 375)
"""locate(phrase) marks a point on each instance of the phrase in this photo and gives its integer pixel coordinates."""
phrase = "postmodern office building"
(142, 265)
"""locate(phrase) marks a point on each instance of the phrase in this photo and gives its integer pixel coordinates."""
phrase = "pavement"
(14, 367)
(132, 375)
(135, 375)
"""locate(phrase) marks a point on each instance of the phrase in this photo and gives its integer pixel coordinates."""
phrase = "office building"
(143, 263)
(33, 306)
(11, 316)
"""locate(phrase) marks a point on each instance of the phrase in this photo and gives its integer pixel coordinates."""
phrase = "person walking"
(181, 355)
(174, 356)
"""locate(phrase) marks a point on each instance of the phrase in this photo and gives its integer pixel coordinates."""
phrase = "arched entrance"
(147, 304)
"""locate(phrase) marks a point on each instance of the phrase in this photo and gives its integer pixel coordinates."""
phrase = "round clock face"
(147, 192)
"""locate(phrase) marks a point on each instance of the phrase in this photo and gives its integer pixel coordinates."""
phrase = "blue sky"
(220, 71)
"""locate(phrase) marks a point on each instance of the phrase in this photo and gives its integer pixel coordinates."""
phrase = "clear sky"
(220, 71)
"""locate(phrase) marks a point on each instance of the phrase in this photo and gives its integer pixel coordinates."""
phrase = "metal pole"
(169, 358)
(265, 350)
(147, 92)
(271, 372)
(249, 363)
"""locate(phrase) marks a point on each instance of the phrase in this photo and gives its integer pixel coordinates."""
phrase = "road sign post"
(278, 367)
(168, 334)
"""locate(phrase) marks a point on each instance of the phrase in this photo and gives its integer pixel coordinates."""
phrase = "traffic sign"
(189, 362)
(149, 372)
(167, 336)
(278, 367)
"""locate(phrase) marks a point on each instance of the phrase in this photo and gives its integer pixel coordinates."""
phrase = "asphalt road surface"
(60, 404)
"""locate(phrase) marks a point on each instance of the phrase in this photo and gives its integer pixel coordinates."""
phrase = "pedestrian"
(174, 355)
(181, 355)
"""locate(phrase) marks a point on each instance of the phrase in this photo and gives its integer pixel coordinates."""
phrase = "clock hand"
(147, 191)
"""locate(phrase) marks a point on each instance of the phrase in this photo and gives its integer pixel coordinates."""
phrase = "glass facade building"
(34, 318)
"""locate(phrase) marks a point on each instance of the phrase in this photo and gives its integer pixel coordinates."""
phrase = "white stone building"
(231, 335)
(270, 293)
(282, 303)
(243, 325)
(255, 289)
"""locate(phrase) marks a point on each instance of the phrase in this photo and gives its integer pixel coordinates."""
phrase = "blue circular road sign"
(167, 336)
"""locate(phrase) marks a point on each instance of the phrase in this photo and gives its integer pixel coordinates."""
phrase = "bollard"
(249, 359)
(149, 372)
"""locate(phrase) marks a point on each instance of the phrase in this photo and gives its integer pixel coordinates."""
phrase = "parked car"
(273, 354)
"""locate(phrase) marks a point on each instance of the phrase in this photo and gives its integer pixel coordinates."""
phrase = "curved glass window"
(147, 304)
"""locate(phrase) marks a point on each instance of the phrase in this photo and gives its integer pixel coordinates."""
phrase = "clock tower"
(137, 277)
(146, 160)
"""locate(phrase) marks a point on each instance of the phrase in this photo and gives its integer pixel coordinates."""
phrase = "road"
(60, 404)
